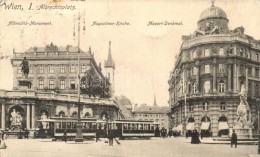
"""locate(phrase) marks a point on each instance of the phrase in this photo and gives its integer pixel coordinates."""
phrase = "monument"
(25, 83)
(16, 120)
(243, 125)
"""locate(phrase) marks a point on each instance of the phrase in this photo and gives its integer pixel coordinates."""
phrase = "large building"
(210, 68)
(154, 113)
(53, 92)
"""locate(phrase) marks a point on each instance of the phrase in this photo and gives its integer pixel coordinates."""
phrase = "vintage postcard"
(126, 78)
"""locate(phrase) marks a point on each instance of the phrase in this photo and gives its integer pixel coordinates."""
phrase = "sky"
(144, 55)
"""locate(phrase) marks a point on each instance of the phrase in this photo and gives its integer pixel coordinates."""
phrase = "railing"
(55, 96)
(212, 38)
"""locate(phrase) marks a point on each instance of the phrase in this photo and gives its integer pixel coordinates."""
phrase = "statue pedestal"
(25, 84)
(243, 133)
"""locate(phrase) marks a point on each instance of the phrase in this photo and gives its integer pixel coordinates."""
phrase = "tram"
(124, 129)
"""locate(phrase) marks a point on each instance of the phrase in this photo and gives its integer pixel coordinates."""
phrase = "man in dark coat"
(65, 136)
(234, 139)
(110, 136)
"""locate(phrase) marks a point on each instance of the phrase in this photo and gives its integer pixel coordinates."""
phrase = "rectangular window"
(221, 68)
(72, 69)
(41, 70)
(221, 87)
(207, 69)
(194, 71)
(51, 69)
(19, 70)
(83, 68)
(51, 84)
(205, 106)
(250, 71)
(72, 84)
(62, 84)
(40, 84)
(256, 72)
(222, 106)
(62, 69)
(191, 107)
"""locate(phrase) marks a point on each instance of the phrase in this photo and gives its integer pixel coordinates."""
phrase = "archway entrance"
(16, 118)
(223, 129)
(205, 127)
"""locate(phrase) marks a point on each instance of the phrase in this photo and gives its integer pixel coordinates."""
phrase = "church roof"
(150, 109)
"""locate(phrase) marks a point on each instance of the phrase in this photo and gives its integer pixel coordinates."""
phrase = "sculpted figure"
(13, 118)
(25, 67)
(43, 117)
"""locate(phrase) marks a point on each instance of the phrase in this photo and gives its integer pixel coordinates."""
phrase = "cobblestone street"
(171, 147)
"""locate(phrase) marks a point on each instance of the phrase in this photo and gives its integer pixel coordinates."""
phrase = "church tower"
(109, 69)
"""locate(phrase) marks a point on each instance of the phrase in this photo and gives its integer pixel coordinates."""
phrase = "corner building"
(210, 68)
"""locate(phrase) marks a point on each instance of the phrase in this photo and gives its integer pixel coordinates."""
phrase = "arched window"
(74, 114)
(221, 52)
(87, 114)
(61, 114)
(221, 86)
(206, 53)
(206, 87)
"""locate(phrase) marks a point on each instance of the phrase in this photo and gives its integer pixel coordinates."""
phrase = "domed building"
(210, 69)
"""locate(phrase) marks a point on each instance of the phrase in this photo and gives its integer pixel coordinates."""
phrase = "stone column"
(33, 116)
(246, 81)
(235, 78)
(3, 116)
(238, 74)
(28, 116)
(214, 78)
(197, 79)
(229, 77)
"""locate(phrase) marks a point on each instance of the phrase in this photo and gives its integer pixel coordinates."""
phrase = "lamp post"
(79, 136)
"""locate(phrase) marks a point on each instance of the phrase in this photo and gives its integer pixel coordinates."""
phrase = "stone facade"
(53, 93)
(212, 65)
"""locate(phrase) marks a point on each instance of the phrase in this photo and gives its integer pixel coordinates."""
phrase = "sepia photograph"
(129, 78)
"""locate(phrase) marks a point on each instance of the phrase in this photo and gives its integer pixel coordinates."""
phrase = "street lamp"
(79, 136)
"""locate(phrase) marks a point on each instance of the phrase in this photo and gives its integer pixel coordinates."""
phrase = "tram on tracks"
(124, 129)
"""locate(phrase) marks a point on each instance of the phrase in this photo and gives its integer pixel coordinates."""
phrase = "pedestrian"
(65, 136)
(20, 135)
(110, 137)
(97, 135)
(234, 139)
(26, 135)
(3, 138)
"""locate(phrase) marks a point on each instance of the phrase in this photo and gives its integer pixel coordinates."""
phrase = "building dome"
(213, 12)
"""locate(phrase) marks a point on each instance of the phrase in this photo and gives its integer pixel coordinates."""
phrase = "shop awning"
(205, 125)
(222, 126)
(190, 126)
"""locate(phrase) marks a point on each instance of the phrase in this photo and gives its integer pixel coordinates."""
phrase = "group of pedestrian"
(26, 134)
(2, 140)
(195, 137)
(163, 132)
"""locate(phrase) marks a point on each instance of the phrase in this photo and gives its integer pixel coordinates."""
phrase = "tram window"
(129, 127)
(152, 127)
(133, 126)
(68, 125)
(63, 125)
(74, 125)
(148, 126)
(145, 126)
(58, 125)
(93, 125)
(125, 126)
(141, 126)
